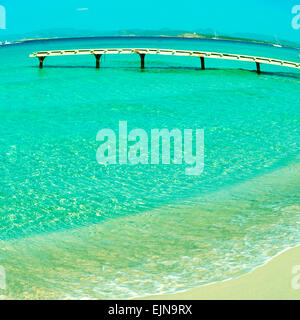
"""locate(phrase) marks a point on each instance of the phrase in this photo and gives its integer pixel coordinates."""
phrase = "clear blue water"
(72, 228)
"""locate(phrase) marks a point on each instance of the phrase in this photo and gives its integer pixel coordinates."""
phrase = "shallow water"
(72, 228)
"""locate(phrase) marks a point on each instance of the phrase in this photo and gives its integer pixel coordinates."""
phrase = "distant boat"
(215, 37)
(277, 44)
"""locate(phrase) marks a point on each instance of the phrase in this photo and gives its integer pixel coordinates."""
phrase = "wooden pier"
(41, 55)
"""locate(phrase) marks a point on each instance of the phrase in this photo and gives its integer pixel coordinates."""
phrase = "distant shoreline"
(181, 36)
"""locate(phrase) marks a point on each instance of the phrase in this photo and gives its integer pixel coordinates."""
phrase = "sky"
(263, 17)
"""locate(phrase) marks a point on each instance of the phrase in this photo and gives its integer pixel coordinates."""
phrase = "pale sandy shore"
(278, 279)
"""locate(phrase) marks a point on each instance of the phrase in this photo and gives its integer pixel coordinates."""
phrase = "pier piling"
(258, 68)
(142, 55)
(202, 63)
(98, 57)
(41, 59)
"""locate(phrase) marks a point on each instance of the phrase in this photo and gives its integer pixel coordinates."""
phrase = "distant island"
(206, 34)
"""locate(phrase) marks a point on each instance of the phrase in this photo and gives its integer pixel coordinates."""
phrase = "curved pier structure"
(41, 55)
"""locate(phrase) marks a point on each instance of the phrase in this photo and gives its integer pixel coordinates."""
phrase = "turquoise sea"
(70, 228)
